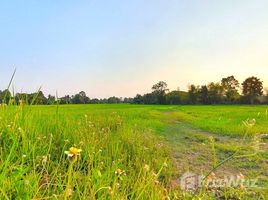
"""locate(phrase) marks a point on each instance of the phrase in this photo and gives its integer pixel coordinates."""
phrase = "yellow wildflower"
(120, 172)
(73, 152)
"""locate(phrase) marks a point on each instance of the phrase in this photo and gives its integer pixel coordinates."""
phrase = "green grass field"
(130, 151)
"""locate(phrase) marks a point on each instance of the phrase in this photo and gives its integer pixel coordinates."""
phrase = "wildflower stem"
(4, 194)
(70, 171)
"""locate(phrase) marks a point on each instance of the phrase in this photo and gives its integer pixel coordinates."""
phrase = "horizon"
(265, 90)
(122, 49)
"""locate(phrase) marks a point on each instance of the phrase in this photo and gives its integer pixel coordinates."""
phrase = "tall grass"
(119, 159)
(124, 154)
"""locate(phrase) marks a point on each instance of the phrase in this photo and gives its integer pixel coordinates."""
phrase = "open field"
(131, 151)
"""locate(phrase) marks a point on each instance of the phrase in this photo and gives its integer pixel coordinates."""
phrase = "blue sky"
(123, 47)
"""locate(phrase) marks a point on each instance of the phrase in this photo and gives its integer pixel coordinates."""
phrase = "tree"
(80, 98)
(160, 87)
(5, 96)
(150, 98)
(173, 98)
(37, 98)
(51, 99)
(128, 100)
(76, 99)
(114, 100)
(204, 95)
(230, 88)
(252, 88)
(83, 97)
(160, 90)
(215, 91)
(94, 101)
(41, 99)
(138, 99)
(65, 100)
(193, 94)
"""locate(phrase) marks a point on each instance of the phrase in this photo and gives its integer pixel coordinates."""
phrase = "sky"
(121, 48)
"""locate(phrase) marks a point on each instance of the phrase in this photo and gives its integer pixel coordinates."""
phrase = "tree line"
(39, 98)
(227, 91)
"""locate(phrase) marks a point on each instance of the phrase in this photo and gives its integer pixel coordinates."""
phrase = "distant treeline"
(227, 91)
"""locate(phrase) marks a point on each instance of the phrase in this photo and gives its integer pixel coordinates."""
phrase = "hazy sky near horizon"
(122, 48)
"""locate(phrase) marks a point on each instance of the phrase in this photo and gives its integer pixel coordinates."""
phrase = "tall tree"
(230, 88)
(138, 99)
(252, 88)
(83, 97)
(160, 90)
(5, 96)
(80, 98)
(215, 91)
(204, 95)
(193, 93)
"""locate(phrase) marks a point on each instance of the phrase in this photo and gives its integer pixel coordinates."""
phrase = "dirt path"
(192, 148)
(196, 150)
